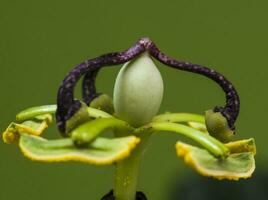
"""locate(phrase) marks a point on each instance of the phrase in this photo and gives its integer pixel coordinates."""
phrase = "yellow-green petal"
(102, 151)
(35, 126)
(246, 145)
(233, 167)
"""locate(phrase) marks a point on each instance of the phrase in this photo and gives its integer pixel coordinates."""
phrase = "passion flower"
(132, 116)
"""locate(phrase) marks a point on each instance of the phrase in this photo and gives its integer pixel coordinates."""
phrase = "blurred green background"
(40, 41)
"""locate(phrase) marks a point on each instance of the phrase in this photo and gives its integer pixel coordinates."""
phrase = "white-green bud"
(138, 91)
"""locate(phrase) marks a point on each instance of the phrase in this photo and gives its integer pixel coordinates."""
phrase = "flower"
(131, 115)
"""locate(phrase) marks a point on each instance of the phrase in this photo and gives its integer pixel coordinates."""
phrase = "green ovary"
(138, 91)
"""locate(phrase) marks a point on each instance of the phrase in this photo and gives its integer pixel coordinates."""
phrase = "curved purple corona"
(231, 109)
(67, 105)
(88, 85)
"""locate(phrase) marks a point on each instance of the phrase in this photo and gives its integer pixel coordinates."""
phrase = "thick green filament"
(35, 111)
(96, 113)
(51, 109)
(88, 131)
(179, 117)
(211, 144)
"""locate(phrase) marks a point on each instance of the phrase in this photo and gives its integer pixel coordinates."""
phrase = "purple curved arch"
(67, 105)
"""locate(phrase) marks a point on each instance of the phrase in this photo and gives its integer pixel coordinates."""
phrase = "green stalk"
(210, 143)
(126, 172)
(87, 132)
(32, 112)
(179, 117)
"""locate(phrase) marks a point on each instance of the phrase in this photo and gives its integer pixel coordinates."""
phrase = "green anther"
(80, 117)
(103, 102)
(87, 132)
(217, 126)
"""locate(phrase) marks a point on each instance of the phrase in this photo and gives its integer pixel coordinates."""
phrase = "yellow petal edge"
(193, 157)
(102, 151)
(35, 126)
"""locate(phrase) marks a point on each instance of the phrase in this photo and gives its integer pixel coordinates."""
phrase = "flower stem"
(126, 172)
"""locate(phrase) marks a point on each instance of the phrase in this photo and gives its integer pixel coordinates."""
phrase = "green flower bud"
(217, 126)
(138, 91)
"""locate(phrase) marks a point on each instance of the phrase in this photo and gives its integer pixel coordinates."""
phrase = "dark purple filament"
(88, 86)
(231, 109)
(67, 105)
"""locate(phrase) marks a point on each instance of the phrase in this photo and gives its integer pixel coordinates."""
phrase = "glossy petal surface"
(101, 151)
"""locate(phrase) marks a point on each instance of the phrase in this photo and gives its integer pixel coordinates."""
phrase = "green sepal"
(35, 126)
(102, 151)
(217, 126)
(103, 102)
(235, 166)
